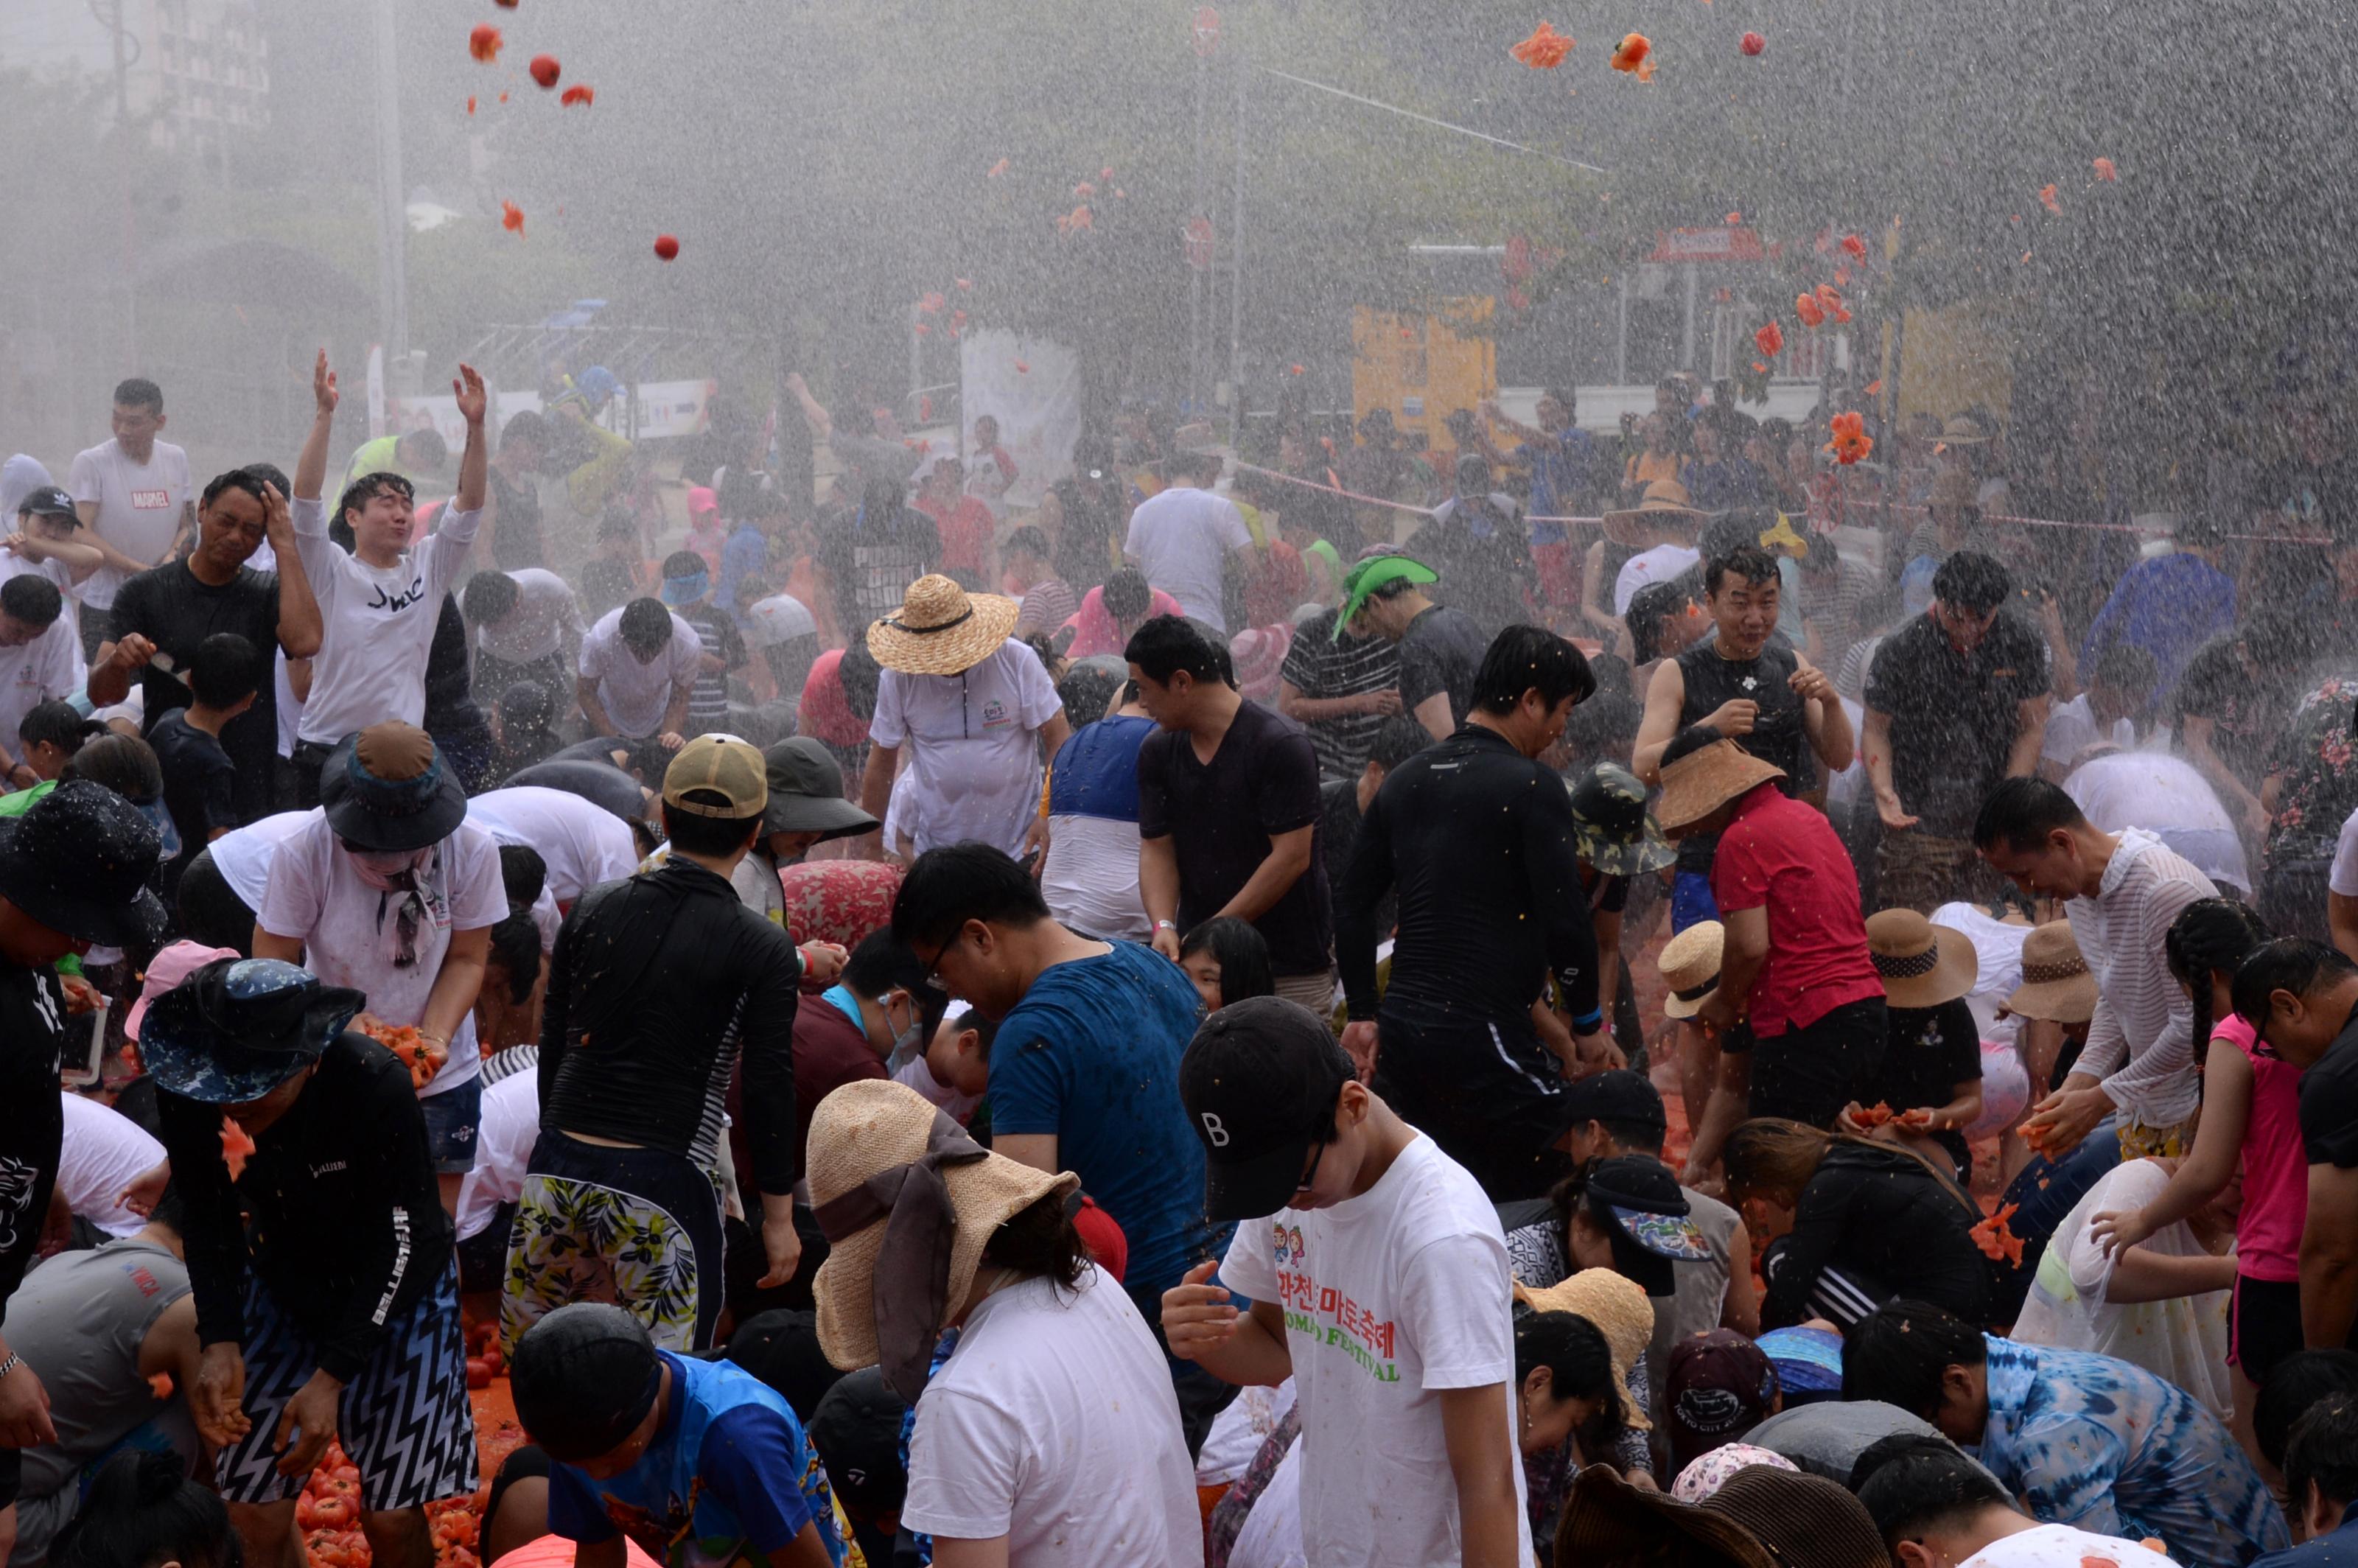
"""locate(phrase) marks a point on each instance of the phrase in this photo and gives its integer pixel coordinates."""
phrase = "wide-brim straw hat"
(2056, 983)
(1619, 1307)
(1959, 431)
(874, 1126)
(1921, 963)
(1690, 966)
(1665, 500)
(942, 629)
(1707, 779)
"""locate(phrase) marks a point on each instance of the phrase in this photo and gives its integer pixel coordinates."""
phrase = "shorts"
(2139, 1141)
(639, 1227)
(2263, 1325)
(1315, 991)
(1493, 1099)
(1691, 902)
(1811, 1073)
(451, 1120)
(404, 1420)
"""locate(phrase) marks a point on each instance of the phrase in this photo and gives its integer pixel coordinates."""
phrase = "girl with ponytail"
(2251, 1112)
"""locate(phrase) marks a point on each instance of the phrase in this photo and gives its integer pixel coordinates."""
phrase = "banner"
(1032, 387)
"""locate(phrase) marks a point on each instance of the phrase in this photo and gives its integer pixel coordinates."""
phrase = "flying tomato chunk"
(580, 93)
(1805, 306)
(2047, 199)
(1544, 50)
(1633, 52)
(1855, 246)
(666, 246)
(1021, 368)
(1752, 44)
(1770, 339)
(471, 105)
(236, 1144)
(512, 217)
(2104, 169)
(544, 70)
(995, 170)
(484, 42)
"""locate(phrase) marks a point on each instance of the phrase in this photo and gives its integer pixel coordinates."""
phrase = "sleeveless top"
(1778, 735)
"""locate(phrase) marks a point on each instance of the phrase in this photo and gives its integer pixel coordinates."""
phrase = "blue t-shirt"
(1096, 772)
(2335, 1549)
(729, 1476)
(1091, 1054)
(2169, 606)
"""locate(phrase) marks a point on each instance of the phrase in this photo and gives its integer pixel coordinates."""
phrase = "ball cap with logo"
(1260, 1082)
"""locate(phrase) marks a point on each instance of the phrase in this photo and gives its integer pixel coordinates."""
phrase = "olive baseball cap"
(729, 767)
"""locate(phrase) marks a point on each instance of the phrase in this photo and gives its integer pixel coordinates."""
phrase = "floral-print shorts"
(2139, 1141)
(639, 1227)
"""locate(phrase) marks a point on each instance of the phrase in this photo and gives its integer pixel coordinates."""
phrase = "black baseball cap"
(1260, 1082)
(1639, 1203)
(857, 1430)
(1620, 1096)
(583, 1378)
(47, 502)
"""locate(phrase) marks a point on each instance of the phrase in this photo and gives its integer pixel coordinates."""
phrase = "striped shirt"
(2140, 1043)
(1319, 667)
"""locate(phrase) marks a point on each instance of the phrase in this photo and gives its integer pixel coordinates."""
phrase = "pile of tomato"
(329, 1515)
(483, 1359)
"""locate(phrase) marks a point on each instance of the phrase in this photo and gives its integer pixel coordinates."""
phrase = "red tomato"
(666, 246)
(544, 70)
(1753, 43)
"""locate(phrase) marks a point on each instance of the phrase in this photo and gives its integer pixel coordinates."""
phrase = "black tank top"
(1777, 734)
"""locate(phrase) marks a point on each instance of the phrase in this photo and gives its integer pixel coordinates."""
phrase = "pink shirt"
(2276, 1169)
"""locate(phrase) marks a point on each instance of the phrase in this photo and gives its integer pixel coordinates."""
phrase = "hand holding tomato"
(307, 1425)
(217, 1399)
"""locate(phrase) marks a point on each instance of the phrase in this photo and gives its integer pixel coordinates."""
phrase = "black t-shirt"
(1931, 1051)
(1779, 734)
(32, 1125)
(1952, 714)
(199, 784)
(2329, 1102)
(1221, 817)
(515, 532)
(2245, 715)
(170, 606)
(1440, 651)
(449, 676)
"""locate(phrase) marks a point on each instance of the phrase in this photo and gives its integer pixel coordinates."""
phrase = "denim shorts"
(1691, 901)
(451, 1118)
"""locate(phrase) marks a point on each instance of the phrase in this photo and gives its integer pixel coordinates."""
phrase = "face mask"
(380, 868)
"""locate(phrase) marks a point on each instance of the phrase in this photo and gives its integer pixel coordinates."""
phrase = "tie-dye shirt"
(2091, 1442)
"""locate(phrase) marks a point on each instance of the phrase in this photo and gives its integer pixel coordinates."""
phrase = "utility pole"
(393, 214)
(1237, 279)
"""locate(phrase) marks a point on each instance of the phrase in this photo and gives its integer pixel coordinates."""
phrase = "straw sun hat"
(1690, 966)
(942, 629)
(1664, 501)
(2056, 983)
(1617, 1306)
(1921, 963)
(882, 1158)
(1701, 772)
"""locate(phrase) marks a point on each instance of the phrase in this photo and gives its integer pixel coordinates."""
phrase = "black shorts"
(1811, 1073)
(2263, 1325)
(1492, 1097)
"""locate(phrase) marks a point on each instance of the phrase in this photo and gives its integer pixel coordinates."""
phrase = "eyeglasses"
(1310, 1169)
(933, 977)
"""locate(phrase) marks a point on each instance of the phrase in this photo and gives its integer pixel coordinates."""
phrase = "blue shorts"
(1691, 901)
(451, 1118)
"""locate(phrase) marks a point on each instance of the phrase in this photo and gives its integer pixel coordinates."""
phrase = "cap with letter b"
(1260, 1082)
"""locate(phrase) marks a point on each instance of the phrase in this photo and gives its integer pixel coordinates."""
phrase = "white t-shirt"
(103, 1153)
(1091, 879)
(244, 854)
(1660, 564)
(2168, 798)
(1270, 1536)
(1389, 1298)
(379, 625)
(503, 1140)
(545, 620)
(636, 696)
(1054, 1423)
(581, 844)
(2061, 1546)
(974, 768)
(49, 668)
(1179, 539)
(316, 893)
(2072, 730)
(2343, 878)
(139, 507)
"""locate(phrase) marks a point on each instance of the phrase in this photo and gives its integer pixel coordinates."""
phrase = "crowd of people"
(1659, 999)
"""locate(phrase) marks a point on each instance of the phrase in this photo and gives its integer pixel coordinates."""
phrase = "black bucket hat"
(238, 1028)
(78, 862)
(806, 793)
(387, 788)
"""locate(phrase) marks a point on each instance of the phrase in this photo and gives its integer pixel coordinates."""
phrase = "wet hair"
(273, 476)
(138, 392)
(1026, 541)
(523, 874)
(141, 1509)
(516, 946)
(225, 670)
(2019, 814)
(645, 626)
(367, 488)
(1900, 1351)
(58, 724)
(1045, 651)
(1911, 1484)
(524, 425)
(2278, 636)
(1240, 950)
(124, 763)
(34, 601)
(1040, 1239)
(1125, 594)
(2296, 964)
(1088, 691)
(210, 910)
(684, 563)
(691, 834)
(2210, 934)
(1649, 608)
(432, 450)
(858, 671)
(1750, 561)
(2124, 666)
(881, 964)
(1770, 1156)
(2295, 1386)
(2323, 1453)
(947, 886)
(1580, 1366)
(1398, 739)
(1166, 644)
(1605, 727)
(1972, 583)
(490, 597)
(221, 484)
(1523, 658)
